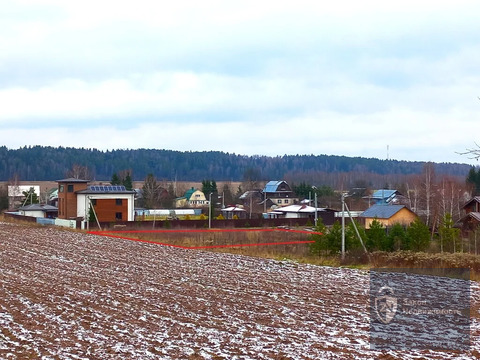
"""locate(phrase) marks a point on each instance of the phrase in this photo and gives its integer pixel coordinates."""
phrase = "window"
(118, 216)
(61, 188)
(286, 201)
(70, 188)
(279, 201)
(118, 202)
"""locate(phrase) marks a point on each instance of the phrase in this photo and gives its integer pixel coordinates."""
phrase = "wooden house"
(471, 220)
(193, 198)
(388, 215)
(110, 202)
(279, 193)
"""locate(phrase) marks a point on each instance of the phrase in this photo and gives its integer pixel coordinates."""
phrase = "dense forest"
(38, 163)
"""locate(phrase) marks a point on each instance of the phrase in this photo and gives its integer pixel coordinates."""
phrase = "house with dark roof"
(471, 220)
(109, 202)
(279, 193)
(39, 211)
(388, 215)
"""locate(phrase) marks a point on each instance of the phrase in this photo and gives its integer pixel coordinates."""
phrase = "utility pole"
(210, 210)
(343, 225)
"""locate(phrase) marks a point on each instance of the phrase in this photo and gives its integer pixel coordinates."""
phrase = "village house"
(388, 215)
(234, 212)
(303, 211)
(471, 220)
(39, 211)
(110, 203)
(193, 198)
(279, 194)
(385, 197)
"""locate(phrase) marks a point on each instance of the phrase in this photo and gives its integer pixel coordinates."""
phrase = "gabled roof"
(474, 215)
(382, 211)
(188, 194)
(250, 193)
(383, 194)
(38, 207)
(298, 209)
(272, 186)
(474, 199)
(233, 209)
(72, 180)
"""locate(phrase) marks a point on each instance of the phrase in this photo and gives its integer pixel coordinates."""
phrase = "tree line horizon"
(44, 163)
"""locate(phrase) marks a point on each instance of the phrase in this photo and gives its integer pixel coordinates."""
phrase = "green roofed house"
(388, 215)
(193, 198)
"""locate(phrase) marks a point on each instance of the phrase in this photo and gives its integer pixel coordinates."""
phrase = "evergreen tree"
(397, 237)
(418, 236)
(351, 239)
(209, 187)
(334, 238)
(376, 236)
(449, 235)
(30, 197)
(127, 182)
(473, 179)
(320, 244)
(115, 179)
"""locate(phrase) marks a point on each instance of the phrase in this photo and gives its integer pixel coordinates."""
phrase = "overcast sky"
(355, 78)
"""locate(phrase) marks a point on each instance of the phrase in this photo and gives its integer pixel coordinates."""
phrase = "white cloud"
(254, 77)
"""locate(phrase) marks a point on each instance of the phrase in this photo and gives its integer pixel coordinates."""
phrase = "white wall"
(83, 203)
(37, 214)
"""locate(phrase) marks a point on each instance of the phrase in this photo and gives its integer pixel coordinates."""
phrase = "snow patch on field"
(69, 295)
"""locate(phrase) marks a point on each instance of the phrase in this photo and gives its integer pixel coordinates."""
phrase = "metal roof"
(475, 215)
(72, 180)
(38, 207)
(298, 209)
(382, 211)
(383, 194)
(474, 199)
(102, 189)
(272, 186)
(233, 209)
(189, 193)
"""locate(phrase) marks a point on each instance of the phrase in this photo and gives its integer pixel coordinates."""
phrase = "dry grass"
(234, 242)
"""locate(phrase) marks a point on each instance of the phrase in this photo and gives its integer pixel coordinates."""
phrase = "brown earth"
(70, 295)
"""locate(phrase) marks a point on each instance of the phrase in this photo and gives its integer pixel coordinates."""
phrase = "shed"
(231, 211)
(39, 211)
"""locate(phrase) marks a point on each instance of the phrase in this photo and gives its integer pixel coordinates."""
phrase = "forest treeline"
(39, 163)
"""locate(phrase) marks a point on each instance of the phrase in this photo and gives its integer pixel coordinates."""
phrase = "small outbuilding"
(39, 211)
(232, 212)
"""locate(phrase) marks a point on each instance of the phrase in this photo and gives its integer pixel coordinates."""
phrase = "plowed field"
(70, 295)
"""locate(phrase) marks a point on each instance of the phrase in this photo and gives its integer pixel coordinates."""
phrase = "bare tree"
(428, 187)
(151, 192)
(472, 153)
(79, 172)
